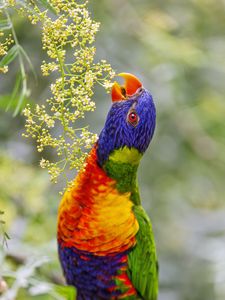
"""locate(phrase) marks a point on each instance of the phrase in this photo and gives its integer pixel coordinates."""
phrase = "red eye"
(132, 118)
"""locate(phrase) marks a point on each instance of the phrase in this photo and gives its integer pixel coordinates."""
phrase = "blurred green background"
(177, 49)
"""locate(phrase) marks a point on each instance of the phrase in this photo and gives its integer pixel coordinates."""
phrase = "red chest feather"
(94, 216)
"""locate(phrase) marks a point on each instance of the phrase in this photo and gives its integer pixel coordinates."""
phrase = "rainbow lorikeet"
(105, 239)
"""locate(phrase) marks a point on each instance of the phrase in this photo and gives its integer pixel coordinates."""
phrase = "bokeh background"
(177, 49)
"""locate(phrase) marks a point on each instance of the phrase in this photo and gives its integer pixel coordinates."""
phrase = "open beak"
(130, 87)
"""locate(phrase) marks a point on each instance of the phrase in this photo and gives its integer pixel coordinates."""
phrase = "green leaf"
(15, 91)
(23, 52)
(9, 57)
(46, 4)
(4, 101)
(5, 25)
(7, 104)
(68, 292)
(20, 102)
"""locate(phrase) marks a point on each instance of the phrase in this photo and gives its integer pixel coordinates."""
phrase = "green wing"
(142, 260)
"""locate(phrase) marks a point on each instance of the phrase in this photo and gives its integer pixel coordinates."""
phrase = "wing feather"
(142, 260)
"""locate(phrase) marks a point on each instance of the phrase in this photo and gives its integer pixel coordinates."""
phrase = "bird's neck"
(122, 165)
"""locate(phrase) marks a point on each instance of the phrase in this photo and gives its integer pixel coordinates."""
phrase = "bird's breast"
(94, 216)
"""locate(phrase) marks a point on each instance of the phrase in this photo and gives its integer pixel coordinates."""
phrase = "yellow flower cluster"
(68, 38)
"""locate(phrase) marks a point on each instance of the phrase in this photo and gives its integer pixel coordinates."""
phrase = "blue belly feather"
(92, 275)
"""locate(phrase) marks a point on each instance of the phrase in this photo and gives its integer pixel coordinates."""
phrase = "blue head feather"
(118, 132)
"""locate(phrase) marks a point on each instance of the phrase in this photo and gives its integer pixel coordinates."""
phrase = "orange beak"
(132, 84)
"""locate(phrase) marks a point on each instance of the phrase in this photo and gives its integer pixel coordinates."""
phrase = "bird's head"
(130, 123)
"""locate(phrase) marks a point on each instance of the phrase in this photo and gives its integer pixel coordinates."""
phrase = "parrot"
(105, 239)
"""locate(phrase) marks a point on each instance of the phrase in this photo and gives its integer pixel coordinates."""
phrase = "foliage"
(67, 37)
(72, 92)
(9, 54)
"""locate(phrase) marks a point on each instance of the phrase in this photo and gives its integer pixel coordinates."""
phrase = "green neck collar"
(122, 166)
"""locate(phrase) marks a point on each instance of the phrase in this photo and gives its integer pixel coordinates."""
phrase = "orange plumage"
(89, 218)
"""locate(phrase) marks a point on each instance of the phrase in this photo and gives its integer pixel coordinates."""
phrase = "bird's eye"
(133, 118)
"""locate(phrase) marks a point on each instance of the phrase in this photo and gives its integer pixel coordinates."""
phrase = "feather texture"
(105, 239)
(94, 248)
